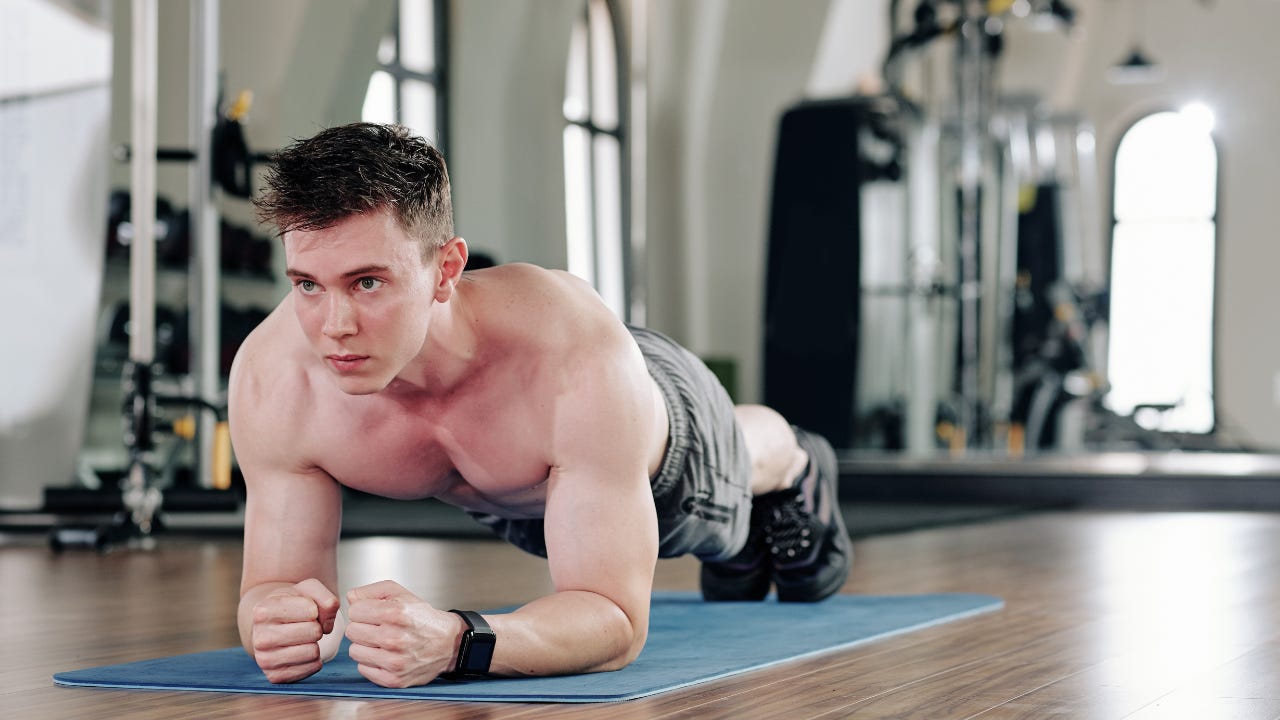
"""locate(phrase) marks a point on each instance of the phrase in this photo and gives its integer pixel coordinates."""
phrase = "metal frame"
(204, 301)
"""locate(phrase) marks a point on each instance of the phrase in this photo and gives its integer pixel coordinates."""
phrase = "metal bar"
(924, 225)
(142, 252)
(137, 494)
(637, 154)
(204, 296)
(969, 61)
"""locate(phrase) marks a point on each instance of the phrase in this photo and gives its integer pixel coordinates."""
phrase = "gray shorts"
(702, 490)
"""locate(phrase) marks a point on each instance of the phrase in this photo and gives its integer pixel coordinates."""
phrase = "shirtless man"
(512, 392)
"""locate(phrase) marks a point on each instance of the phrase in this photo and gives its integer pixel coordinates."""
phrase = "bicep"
(602, 536)
(601, 527)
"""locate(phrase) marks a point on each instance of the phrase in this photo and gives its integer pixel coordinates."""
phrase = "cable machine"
(957, 294)
(217, 157)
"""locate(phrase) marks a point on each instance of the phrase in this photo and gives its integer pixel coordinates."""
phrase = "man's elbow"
(631, 642)
(626, 659)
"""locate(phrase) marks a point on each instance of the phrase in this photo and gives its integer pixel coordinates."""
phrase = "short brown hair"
(317, 182)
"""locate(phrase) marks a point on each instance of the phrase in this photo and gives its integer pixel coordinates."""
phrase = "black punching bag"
(812, 286)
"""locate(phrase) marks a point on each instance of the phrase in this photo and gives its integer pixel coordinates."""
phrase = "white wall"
(55, 76)
(721, 73)
(506, 160)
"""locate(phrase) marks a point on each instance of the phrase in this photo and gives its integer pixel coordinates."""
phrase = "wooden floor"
(1108, 616)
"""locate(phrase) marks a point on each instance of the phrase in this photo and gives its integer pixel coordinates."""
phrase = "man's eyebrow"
(367, 270)
(362, 270)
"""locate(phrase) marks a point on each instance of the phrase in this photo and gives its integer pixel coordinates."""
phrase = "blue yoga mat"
(690, 642)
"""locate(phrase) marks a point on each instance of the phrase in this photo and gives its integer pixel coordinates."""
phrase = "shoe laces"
(789, 528)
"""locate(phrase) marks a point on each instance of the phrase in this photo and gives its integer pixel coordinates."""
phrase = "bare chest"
(481, 455)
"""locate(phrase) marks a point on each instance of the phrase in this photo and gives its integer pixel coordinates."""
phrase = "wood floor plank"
(1247, 687)
(1183, 707)
(1108, 615)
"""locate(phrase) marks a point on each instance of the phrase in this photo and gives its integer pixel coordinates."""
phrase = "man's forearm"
(565, 633)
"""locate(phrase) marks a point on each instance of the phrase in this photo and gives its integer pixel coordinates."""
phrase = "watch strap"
(475, 651)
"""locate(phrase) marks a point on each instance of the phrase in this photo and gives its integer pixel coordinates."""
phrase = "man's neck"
(449, 354)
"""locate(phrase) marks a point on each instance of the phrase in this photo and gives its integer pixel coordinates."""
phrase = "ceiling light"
(1136, 68)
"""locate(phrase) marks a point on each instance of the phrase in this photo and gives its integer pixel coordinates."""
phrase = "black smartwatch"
(476, 651)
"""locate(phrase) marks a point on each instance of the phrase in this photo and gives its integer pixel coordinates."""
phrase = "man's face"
(362, 295)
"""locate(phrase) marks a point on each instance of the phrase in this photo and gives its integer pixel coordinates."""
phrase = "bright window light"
(405, 89)
(380, 99)
(604, 62)
(418, 112)
(594, 214)
(1162, 272)
(417, 36)
(1199, 118)
(579, 230)
(608, 191)
(575, 80)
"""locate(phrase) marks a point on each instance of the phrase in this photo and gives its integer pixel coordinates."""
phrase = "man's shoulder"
(543, 309)
(265, 374)
(520, 277)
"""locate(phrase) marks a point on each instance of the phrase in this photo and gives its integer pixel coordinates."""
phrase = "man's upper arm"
(292, 513)
(601, 527)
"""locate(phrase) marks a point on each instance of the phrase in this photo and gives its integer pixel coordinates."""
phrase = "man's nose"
(340, 320)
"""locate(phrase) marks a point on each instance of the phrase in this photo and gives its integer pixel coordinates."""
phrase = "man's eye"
(369, 283)
(307, 286)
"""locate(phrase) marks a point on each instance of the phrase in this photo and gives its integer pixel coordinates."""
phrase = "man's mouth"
(345, 363)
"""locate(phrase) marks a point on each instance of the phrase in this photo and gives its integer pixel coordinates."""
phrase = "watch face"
(478, 641)
(480, 653)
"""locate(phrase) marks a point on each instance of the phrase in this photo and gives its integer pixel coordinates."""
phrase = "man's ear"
(450, 259)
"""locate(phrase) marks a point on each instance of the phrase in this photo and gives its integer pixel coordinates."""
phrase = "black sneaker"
(744, 576)
(808, 546)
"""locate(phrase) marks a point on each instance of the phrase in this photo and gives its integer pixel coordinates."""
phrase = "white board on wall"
(55, 101)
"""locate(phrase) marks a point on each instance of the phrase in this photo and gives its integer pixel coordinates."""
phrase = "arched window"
(409, 85)
(595, 204)
(1163, 247)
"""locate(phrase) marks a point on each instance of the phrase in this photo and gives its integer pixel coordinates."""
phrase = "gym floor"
(1108, 615)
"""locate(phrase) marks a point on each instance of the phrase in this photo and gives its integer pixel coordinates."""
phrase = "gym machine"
(140, 500)
(951, 294)
(984, 246)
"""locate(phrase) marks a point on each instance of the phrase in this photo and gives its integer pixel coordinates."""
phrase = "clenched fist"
(399, 640)
(290, 626)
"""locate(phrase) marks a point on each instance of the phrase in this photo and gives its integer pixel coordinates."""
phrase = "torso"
(486, 444)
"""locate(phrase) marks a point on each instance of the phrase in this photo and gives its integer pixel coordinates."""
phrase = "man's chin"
(359, 385)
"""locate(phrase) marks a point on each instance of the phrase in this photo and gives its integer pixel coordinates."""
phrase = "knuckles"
(292, 674)
(273, 607)
(265, 639)
(395, 642)
(329, 605)
(267, 636)
(261, 614)
(395, 665)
